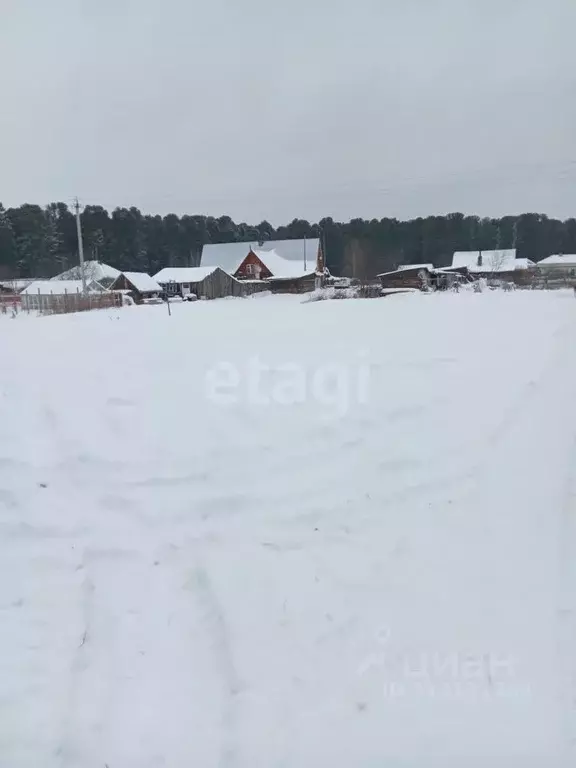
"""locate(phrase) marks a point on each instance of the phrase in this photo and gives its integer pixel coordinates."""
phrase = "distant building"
(202, 282)
(288, 265)
(139, 285)
(408, 276)
(93, 270)
(558, 267)
(423, 277)
(495, 265)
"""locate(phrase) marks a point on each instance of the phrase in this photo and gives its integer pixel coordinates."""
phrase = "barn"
(139, 285)
(201, 282)
(408, 276)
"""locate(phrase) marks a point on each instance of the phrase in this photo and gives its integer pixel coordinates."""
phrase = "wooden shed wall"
(217, 285)
(406, 278)
(297, 285)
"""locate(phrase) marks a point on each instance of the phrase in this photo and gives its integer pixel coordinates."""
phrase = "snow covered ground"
(268, 533)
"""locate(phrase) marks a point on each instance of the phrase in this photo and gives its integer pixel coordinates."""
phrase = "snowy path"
(381, 574)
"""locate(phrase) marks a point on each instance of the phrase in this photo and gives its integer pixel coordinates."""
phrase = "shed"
(202, 282)
(139, 285)
(299, 284)
(408, 276)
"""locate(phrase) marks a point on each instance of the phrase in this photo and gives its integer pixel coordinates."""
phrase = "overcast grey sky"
(308, 108)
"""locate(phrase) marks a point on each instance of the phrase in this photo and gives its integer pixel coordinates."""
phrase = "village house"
(198, 282)
(288, 266)
(138, 285)
(497, 265)
(560, 267)
(422, 277)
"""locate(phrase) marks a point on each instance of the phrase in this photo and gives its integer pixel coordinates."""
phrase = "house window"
(253, 270)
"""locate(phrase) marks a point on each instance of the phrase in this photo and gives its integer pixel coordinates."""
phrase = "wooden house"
(558, 269)
(287, 265)
(198, 282)
(408, 276)
(496, 266)
(139, 285)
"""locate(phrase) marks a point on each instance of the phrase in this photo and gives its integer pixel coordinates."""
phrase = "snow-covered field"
(266, 533)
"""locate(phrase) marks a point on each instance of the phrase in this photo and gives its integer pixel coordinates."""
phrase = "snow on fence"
(59, 304)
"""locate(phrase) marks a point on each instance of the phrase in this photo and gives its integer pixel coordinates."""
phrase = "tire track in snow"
(89, 704)
(200, 584)
(566, 612)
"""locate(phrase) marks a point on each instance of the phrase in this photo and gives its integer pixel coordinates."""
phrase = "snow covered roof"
(285, 268)
(414, 266)
(229, 256)
(183, 274)
(60, 287)
(524, 264)
(492, 261)
(142, 282)
(93, 270)
(406, 267)
(560, 259)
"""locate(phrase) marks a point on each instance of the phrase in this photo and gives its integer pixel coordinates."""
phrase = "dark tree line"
(41, 242)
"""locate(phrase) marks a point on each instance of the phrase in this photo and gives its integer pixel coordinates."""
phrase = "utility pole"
(304, 254)
(80, 244)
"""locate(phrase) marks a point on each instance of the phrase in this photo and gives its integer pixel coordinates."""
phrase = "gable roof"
(142, 282)
(560, 259)
(183, 274)
(229, 256)
(60, 287)
(285, 268)
(402, 267)
(503, 260)
(93, 270)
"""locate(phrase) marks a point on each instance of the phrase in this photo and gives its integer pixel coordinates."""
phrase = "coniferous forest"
(40, 241)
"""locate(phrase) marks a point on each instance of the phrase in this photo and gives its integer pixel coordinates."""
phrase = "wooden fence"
(59, 304)
(9, 303)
